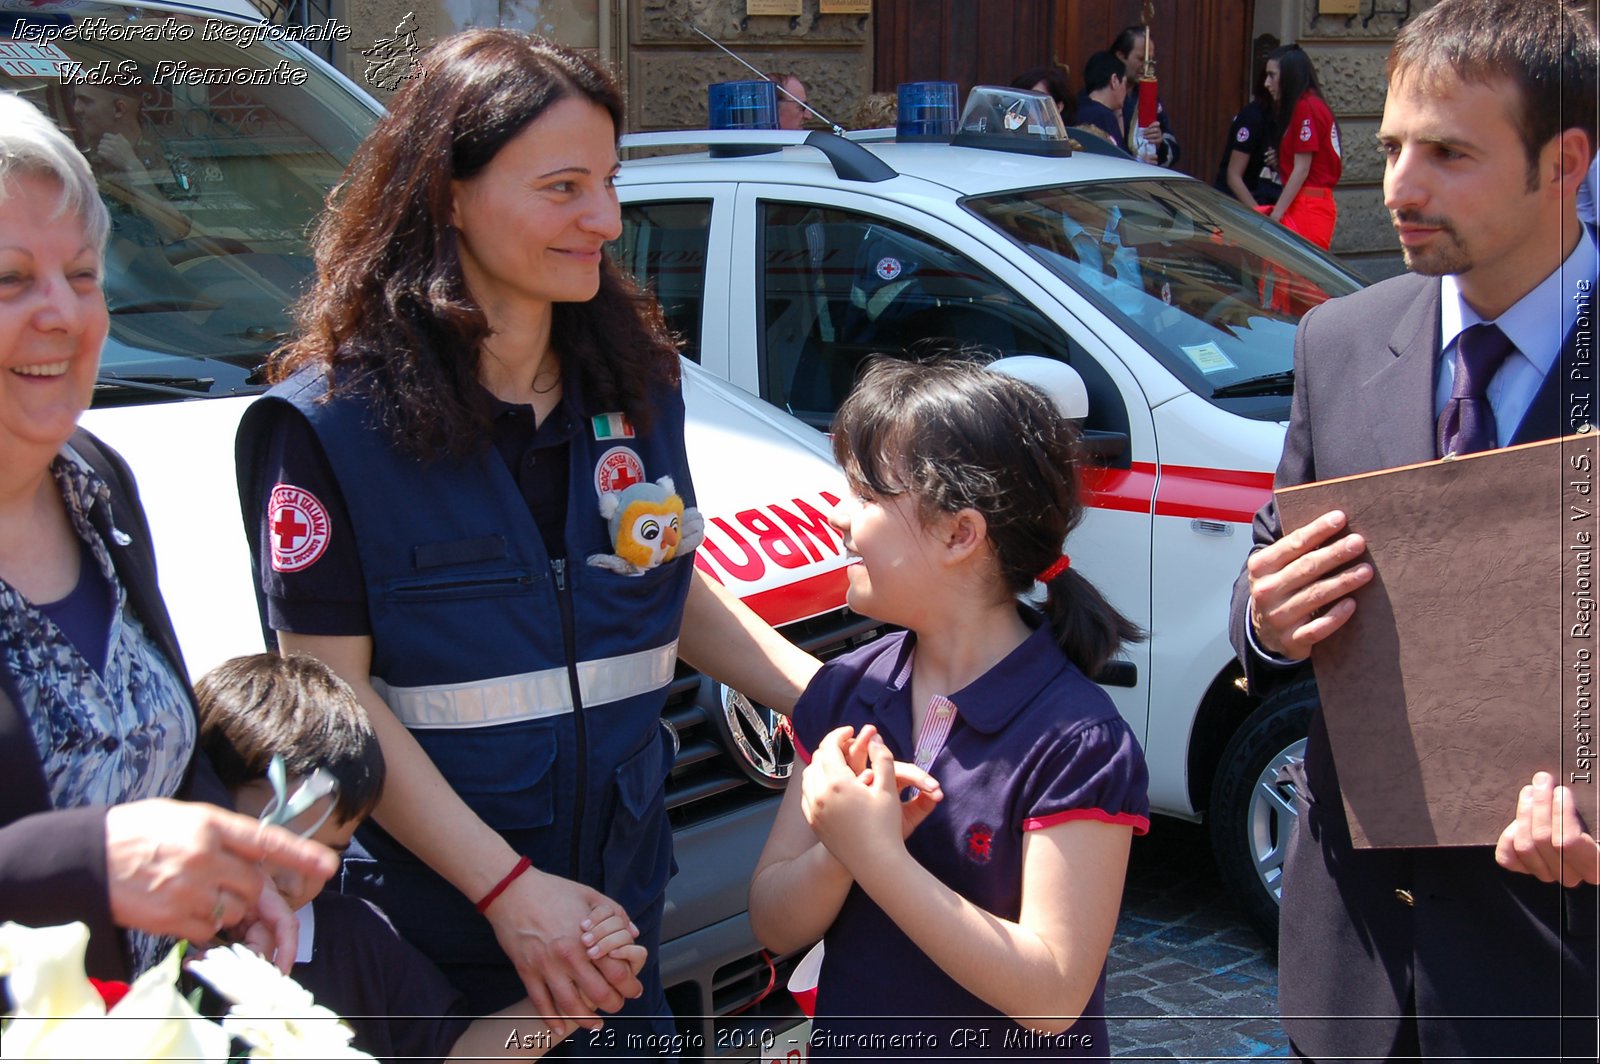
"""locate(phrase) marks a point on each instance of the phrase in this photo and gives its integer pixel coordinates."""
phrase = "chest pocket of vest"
(502, 773)
(645, 608)
(448, 586)
(637, 855)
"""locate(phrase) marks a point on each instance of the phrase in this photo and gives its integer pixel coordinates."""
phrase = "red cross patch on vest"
(298, 526)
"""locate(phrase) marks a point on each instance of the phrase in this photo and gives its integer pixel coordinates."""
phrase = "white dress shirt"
(1535, 324)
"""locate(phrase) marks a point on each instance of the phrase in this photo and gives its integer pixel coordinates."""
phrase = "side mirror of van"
(1055, 378)
(1064, 385)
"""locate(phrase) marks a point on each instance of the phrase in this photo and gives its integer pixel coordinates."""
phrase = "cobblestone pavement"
(1189, 977)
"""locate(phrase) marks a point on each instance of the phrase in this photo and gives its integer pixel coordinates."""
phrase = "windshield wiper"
(154, 384)
(1266, 384)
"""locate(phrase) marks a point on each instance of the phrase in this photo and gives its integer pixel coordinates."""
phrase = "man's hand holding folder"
(1300, 586)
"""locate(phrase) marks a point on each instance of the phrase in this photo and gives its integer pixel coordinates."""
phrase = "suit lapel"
(1404, 384)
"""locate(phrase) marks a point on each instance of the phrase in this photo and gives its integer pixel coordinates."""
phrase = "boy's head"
(254, 707)
(1104, 73)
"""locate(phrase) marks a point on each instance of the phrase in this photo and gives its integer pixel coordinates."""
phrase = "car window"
(664, 246)
(213, 159)
(1207, 287)
(839, 286)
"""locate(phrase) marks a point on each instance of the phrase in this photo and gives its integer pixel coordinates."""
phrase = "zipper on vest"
(558, 568)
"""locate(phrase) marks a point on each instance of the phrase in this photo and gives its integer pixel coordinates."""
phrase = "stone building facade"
(665, 66)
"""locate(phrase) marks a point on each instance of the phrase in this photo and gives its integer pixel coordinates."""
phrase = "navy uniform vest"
(535, 684)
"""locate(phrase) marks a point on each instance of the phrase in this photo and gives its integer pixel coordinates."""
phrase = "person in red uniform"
(1308, 147)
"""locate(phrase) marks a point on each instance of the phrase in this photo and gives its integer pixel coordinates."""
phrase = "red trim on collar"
(1140, 824)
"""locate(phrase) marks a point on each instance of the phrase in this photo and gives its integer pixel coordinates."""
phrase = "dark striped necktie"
(1467, 423)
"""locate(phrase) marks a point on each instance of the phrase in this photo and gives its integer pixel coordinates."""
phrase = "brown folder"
(1469, 662)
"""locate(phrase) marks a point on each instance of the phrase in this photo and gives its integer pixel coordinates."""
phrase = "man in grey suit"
(1487, 132)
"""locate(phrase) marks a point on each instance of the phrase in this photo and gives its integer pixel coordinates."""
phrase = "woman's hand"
(849, 795)
(187, 870)
(538, 921)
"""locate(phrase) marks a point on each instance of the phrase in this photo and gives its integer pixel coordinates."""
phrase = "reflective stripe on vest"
(531, 695)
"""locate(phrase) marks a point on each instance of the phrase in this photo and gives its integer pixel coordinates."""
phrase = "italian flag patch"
(612, 427)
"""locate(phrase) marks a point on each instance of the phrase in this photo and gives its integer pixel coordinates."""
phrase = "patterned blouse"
(103, 739)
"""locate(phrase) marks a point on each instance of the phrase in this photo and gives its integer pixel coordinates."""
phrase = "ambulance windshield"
(214, 147)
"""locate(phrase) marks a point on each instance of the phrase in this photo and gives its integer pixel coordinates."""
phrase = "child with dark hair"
(350, 957)
(993, 890)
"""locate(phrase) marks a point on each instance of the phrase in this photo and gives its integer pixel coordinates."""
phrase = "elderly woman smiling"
(97, 722)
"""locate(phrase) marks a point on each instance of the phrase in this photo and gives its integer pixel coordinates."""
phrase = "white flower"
(59, 1015)
(272, 1012)
(45, 969)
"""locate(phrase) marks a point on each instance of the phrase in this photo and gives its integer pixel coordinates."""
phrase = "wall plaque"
(772, 7)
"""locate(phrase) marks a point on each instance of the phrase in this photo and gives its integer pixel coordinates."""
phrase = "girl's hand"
(856, 813)
(607, 930)
(631, 955)
(925, 790)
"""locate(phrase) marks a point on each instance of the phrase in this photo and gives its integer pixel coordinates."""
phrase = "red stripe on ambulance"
(1179, 491)
(801, 599)
(1217, 494)
(1120, 489)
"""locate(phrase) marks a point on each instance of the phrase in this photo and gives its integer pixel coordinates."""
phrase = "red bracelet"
(523, 864)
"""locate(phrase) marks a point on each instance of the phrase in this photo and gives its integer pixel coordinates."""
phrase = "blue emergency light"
(927, 110)
(744, 105)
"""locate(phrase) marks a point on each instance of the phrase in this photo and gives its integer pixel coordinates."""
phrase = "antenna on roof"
(834, 126)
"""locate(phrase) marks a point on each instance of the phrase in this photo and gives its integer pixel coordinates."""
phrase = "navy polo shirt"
(1251, 133)
(1034, 743)
(399, 1004)
(315, 585)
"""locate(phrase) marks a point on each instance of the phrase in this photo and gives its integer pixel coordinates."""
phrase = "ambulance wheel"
(1252, 810)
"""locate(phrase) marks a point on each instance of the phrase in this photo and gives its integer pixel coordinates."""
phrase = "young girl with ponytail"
(959, 835)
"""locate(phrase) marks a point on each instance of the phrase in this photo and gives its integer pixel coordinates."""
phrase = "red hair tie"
(1059, 566)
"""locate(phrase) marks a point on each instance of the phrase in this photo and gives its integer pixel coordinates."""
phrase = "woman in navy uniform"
(423, 488)
(1247, 171)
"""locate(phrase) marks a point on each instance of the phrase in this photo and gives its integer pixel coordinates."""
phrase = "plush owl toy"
(649, 525)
